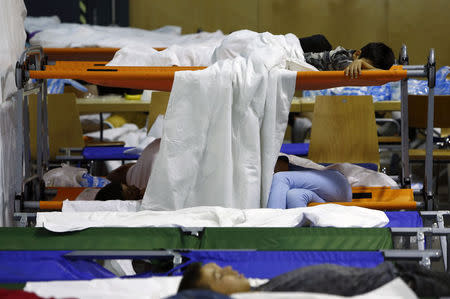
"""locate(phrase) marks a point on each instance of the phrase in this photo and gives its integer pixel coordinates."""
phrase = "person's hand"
(354, 69)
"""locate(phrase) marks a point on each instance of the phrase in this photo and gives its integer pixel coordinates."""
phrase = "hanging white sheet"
(224, 125)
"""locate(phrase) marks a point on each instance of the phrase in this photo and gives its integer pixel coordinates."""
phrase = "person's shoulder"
(339, 49)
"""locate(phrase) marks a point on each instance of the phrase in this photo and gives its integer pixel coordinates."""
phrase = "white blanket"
(322, 215)
(224, 125)
(356, 175)
(161, 287)
(77, 35)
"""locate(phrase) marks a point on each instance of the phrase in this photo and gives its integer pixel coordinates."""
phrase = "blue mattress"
(23, 266)
(108, 153)
(298, 149)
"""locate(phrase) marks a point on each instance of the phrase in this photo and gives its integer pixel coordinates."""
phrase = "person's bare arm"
(354, 69)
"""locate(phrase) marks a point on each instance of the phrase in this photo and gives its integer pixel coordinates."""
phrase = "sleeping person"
(128, 182)
(370, 57)
(296, 189)
(322, 278)
(290, 189)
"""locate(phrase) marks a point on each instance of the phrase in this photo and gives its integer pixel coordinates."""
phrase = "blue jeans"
(295, 189)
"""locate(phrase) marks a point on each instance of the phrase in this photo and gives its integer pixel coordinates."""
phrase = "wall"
(12, 36)
(420, 24)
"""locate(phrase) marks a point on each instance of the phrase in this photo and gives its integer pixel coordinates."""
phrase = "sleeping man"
(128, 182)
(290, 189)
(323, 278)
(371, 56)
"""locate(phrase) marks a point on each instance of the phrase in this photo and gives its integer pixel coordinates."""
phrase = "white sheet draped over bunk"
(329, 215)
(224, 126)
(77, 35)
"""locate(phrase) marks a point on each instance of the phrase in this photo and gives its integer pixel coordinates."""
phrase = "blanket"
(224, 125)
(322, 215)
(161, 287)
(356, 175)
(83, 35)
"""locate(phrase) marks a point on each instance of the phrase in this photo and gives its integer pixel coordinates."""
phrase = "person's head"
(119, 191)
(378, 55)
(212, 277)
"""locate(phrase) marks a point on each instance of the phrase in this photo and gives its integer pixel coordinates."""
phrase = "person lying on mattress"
(296, 189)
(371, 56)
(323, 278)
(291, 189)
(128, 182)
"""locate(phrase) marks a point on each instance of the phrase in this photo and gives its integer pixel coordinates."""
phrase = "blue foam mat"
(108, 153)
(298, 149)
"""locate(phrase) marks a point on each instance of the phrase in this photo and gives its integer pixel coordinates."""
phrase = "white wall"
(12, 42)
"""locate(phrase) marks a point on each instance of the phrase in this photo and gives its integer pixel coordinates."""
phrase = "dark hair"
(382, 56)
(191, 277)
(315, 43)
(110, 191)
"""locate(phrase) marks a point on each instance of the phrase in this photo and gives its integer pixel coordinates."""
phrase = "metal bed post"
(406, 171)
(428, 188)
(32, 184)
(443, 239)
(46, 142)
(428, 71)
(420, 233)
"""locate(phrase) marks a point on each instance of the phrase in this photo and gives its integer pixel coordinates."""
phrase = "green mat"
(301, 238)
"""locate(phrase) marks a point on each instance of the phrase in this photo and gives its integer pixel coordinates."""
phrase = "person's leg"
(329, 185)
(298, 198)
(280, 186)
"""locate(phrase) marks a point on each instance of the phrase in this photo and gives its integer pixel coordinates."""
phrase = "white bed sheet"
(322, 215)
(83, 35)
(224, 125)
(161, 287)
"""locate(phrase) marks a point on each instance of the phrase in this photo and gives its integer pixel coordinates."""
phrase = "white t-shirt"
(139, 174)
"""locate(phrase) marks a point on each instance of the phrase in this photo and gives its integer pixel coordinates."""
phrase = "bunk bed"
(32, 65)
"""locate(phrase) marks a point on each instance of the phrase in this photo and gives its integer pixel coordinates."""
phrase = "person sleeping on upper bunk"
(323, 278)
(370, 57)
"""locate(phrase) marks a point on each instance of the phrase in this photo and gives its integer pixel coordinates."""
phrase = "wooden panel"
(349, 23)
(421, 25)
(158, 106)
(344, 130)
(418, 108)
(64, 127)
(209, 15)
(438, 154)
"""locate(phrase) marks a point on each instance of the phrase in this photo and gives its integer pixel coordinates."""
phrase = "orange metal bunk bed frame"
(33, 65)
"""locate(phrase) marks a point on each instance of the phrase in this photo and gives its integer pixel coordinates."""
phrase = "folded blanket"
(323, 215)
(356, 175)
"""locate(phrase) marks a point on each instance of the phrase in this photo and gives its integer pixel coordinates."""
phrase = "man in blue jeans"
(295, 189)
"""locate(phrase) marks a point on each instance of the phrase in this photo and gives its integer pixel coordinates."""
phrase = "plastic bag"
(69, 176)
(64, 176)
(87, 180)
(390, 91)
